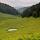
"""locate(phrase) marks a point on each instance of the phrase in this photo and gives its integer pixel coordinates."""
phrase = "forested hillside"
(8, 9)
(34, 11)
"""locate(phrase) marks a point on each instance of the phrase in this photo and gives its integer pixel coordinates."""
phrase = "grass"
(28, 28)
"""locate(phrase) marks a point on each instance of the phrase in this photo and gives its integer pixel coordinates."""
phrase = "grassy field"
(28, 28)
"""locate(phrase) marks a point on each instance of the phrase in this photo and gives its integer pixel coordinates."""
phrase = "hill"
(8, 9)
(21, 10)
(34, 11)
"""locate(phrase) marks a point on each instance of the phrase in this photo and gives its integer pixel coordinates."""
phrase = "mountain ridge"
(7, 9)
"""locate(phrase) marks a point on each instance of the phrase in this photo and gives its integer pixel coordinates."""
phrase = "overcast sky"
(20, 3)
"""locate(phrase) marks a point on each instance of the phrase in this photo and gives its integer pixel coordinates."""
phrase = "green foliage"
(28, 28)
(34, 11)
(20, 39)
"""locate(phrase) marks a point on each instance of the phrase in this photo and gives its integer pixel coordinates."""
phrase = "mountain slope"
(34, 11)
(7, 9)
(20, 10)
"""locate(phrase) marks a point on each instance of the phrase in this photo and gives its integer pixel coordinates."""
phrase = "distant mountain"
(8, 9)
(20, 10)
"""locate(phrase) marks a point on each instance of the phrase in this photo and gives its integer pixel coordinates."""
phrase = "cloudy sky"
(20, 3)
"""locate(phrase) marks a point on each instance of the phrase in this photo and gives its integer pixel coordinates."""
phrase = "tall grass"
(28, 28)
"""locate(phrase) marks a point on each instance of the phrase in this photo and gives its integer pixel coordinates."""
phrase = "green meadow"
(28, 28)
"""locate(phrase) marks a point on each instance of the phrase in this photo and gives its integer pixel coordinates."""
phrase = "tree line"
(34, 11)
